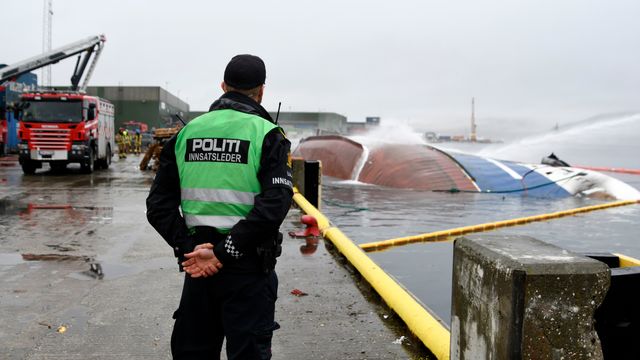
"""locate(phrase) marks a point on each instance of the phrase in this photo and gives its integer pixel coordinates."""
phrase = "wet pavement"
(83, 276)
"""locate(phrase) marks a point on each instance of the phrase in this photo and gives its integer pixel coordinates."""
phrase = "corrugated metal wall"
(149, 104)
(143, 111)
(128, 93)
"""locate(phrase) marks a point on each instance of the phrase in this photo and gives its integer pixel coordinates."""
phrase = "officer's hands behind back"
(202, 262)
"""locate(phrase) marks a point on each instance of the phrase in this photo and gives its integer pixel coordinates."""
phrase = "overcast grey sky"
(528, 63)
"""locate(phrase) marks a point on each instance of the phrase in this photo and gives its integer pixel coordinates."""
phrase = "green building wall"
(152, 105)
(146, 112)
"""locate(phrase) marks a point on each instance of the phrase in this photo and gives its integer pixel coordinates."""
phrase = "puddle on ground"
(109, 270)
(59, 247)
(94, 270)
(100, 271)
(55, 257)
(74, 319)
(11, 207)
(69, 213)
(44, 206)
(310, 246)
(11, 259)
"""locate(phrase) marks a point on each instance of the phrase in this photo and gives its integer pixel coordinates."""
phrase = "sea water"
(368, 213)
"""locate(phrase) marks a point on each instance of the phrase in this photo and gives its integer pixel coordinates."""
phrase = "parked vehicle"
(65, 127)
(60, 127)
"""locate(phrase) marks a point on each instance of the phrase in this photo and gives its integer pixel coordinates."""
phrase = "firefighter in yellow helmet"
(127, 141)
(120, 140)
(137, 142)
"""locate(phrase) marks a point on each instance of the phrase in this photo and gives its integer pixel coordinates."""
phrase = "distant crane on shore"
(473, 137)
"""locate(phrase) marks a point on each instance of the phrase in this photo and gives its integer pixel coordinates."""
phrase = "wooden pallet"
(165, 132)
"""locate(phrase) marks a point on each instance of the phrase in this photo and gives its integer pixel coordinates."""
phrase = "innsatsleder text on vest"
(217, 150)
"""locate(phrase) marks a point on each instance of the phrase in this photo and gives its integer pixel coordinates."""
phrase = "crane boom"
(90, 44)
(85, 83)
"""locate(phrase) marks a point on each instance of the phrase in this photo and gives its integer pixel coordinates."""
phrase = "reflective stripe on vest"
(219, 195)
(220, 222)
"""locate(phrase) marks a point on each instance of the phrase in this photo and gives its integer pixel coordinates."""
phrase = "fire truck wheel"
(89, 165)
(28, 168)
(107, 161)
(104, 163)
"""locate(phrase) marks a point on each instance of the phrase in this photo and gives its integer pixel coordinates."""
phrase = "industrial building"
(371, 122)
(301, 124)
(152, 105)
(157, 107)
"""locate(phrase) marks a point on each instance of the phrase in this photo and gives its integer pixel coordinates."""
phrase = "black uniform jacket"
(264, 220)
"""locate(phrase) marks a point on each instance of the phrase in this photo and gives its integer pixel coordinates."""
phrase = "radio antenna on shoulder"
(278, 113)
(180, 118)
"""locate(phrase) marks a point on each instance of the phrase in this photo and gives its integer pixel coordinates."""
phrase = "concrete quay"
(83, 276)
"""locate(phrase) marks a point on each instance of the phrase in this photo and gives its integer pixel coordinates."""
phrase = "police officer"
(221, 192)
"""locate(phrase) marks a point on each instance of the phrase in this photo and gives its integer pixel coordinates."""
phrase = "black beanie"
(245, 72)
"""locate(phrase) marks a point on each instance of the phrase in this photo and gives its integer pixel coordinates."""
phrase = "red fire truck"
(134, 126)
(65, 127)
(62, 127)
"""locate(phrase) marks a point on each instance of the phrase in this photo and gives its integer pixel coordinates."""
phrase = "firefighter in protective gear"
(126, 141)
(137, 142)
(120, 141)
(221, 192)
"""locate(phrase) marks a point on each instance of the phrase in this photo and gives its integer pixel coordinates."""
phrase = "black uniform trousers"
(239, 307)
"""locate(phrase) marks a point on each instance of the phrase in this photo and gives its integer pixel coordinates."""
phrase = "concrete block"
(515, 297)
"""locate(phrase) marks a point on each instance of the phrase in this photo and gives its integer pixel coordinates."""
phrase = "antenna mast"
(473, 137)
(47, 20)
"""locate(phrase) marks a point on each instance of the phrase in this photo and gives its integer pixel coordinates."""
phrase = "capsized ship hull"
(424, 167)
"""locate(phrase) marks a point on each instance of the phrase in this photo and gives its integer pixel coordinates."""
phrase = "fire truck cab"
(65, 127)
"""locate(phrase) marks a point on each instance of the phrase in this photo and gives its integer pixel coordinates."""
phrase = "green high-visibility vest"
(218, 156)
